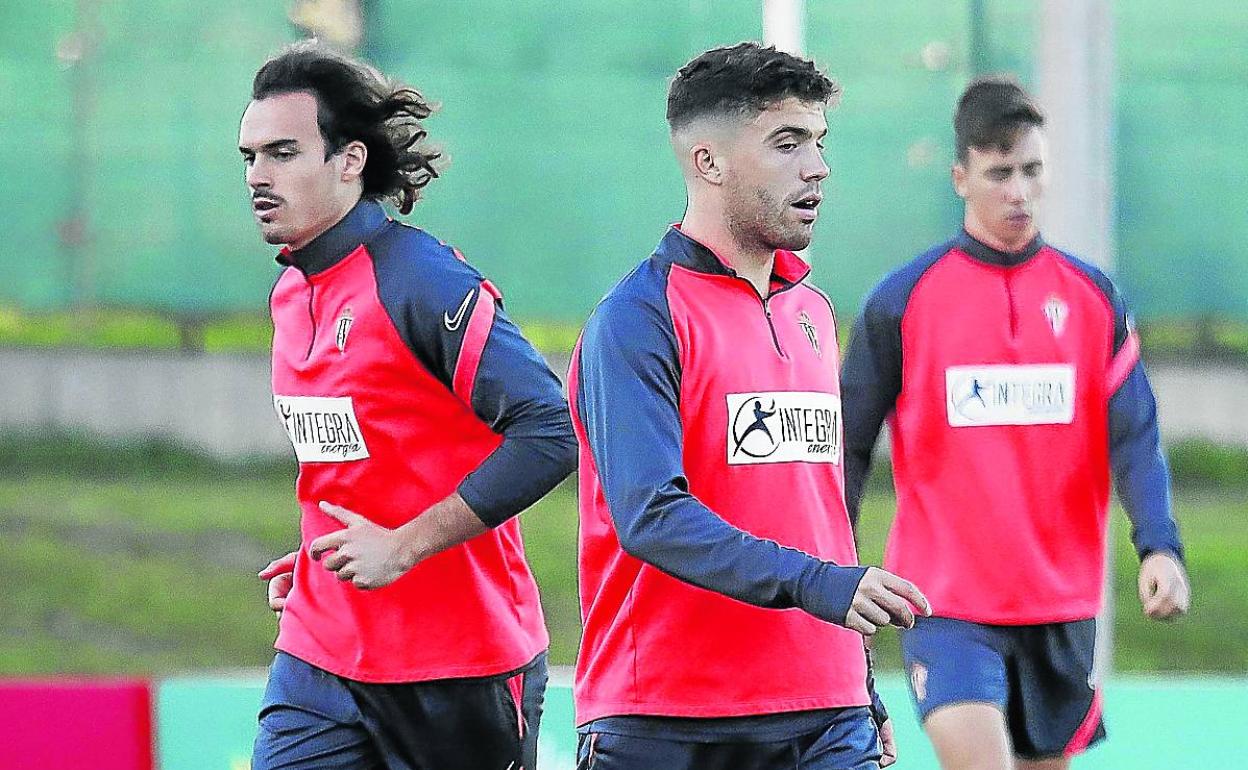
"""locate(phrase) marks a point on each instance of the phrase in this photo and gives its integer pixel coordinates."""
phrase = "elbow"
(634, 540)
(564, 453)
(639, 534)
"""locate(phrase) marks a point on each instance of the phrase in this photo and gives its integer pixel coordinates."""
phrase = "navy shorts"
(1039, 676)
(310, 718)
(849, 741)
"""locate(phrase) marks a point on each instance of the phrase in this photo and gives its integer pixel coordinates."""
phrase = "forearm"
(443, 525)
(1139, 467)
(522, 470)
(680, 536)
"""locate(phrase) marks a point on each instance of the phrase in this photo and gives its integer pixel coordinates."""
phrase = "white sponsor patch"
(322, 429)
(784, 427)
(1027, 394)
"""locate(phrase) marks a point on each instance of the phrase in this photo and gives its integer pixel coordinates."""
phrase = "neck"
(340, 212)
(711, 230)
(981, 234)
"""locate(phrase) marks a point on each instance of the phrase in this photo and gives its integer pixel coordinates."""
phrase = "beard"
(758, 220)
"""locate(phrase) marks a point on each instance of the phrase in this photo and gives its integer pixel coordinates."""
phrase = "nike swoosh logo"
(453, 322)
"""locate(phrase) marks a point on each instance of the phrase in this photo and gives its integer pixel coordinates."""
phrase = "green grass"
(142, 560)
(1215, 339)
(1213, 637)
(125, 329)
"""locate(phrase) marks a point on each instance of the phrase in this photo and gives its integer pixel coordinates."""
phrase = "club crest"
(342, 327)
(811, 331)
(1056, 311)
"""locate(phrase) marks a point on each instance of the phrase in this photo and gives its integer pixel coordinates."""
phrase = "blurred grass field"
(109, 328)
(143, 560)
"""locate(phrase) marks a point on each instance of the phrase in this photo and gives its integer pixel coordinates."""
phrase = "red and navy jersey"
(1013, 388)
(712, 519)
(400, 380)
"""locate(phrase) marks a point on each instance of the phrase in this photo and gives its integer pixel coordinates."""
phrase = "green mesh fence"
(120, 184)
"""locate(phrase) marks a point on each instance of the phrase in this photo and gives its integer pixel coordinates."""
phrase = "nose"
(1016, 189)
(815, 168)
(257, 175)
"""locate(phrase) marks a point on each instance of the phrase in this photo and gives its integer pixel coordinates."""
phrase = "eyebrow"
(1012, 166)
(798, 132)
(276, 144)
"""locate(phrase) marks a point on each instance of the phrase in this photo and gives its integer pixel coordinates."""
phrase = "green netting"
(561, 177)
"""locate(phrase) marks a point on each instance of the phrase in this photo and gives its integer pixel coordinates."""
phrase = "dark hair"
(745, 79)
(991, 112)
(355, 102)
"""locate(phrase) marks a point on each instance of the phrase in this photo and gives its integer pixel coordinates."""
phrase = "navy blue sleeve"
(871, 372)
(1141, 475)
(518, 396)
(870, 384)
(435, 301)
(627, 398)
(1139, 468)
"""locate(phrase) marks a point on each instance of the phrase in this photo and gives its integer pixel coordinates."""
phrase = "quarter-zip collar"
(787, 268)
(982, 252)
(332, 246)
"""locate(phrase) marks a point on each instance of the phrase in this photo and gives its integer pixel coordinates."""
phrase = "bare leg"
(970, 736)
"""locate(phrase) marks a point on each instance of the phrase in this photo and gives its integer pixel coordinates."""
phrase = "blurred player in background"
(423, 422)
(1011, 377)
(705, 401)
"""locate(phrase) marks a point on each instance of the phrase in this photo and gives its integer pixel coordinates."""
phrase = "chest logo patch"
(1026, 394)
(342, 327)
(811, 331)
(1056, 311)
(784, 427)
(321, 429)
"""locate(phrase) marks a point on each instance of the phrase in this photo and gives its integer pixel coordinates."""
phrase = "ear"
(707, 164)
(354, 156)
(958, 173)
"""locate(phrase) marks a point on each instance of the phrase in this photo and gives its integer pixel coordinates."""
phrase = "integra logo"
(1042, 394)
(764, 443)
(321, 429)
(783, 426)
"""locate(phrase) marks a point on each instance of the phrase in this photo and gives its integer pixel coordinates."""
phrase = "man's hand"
(1164, 590)
(888, 744)
(883, 599)
(281, 576)
(368, 554)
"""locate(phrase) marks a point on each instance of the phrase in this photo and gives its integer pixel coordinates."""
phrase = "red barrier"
(76, 724)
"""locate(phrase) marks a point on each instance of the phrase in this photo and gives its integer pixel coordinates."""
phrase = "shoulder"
(642, 291)
(1093, 274)
(413, 266)
(891, 295)
(635, 311)
(819, 295)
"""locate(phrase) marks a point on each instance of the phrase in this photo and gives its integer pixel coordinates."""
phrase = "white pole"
(1075, 67)
(784, 25)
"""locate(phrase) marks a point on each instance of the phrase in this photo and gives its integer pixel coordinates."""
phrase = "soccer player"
(423, 422)
(722, 602)
(1011, 378)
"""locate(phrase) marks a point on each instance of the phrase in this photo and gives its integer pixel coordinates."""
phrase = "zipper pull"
(767, 307)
